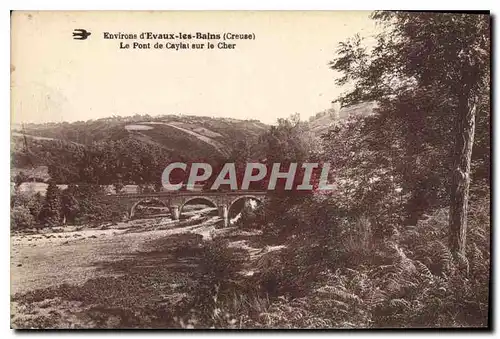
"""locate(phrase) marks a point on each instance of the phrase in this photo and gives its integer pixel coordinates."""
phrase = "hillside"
(134, 150)
(74, 152)
(323, 120)
(213, 131)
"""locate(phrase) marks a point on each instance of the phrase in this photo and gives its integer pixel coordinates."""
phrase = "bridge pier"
(175, 212)
(224, 214)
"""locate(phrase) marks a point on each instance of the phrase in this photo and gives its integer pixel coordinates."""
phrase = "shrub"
(218, 282)
(251, 218)
(408, 279)
(21, 217)
(33, 202)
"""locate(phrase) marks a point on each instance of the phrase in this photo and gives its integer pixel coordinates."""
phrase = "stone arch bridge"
(175, 200)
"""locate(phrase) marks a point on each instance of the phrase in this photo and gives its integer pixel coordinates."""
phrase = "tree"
(69, 205)
(35, 205)
(429, 72)
(366, 182)
(50, 213)
(474, 76)
(285, 143)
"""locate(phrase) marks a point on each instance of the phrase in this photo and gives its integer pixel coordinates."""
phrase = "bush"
(219, 263)
(343, 278)
(251, 218)
(33, 202)
(218, 284)
(20, 217)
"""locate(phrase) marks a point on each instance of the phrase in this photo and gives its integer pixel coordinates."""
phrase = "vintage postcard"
(250, 170)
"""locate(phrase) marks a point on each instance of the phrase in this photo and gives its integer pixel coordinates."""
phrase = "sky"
(283, 71)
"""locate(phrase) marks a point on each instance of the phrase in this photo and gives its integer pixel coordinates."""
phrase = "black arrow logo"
(80, 34)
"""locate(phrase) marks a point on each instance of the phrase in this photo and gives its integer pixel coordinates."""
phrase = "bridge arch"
(200, 197)
(134, 205)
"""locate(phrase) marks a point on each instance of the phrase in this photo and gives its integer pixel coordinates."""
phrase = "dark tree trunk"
(459, 194)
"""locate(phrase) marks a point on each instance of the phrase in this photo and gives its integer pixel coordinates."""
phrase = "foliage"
(50, 213)
(419, 71)
(21, 217)
(86, 205)
(103, 151)
(20, 178)
(250, 217)
(414, 281)
(372, 253)
(33, 202)
(367, 181)
(217, 280)
(70, 206)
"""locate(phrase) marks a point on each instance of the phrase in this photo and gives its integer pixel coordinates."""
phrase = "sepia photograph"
(250, 170)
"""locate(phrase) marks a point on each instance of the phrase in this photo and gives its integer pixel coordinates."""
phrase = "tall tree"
(69, 205)
(428, 72)
(50, 213)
